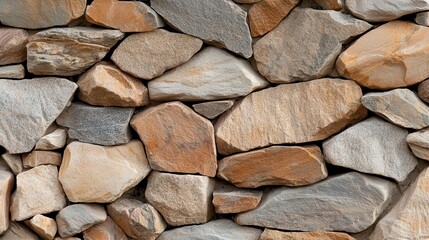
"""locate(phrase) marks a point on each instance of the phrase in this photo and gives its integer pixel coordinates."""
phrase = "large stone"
(270, 234)
(364, 147)
(419, 143)
(98, 125)
(7, 180)
(229, 199)
(221, 23)
(68, 51)
(13, 161)
(28, 108)
(12, 44)
(177, 139)
(52, 141)
(349, 202)
(181, 199)
(277, 165)
(310, 111)
(18, 231)
(44, 226)
(210, 75)
(212, 109)
(107, 230)
(37, 158)
(285, 59)
(92, 173)
(12, 71)
(38, 191)
(149, 55)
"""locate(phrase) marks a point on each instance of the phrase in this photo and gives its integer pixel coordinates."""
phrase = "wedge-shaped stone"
(52, 141)
(212, 109)
(349, 202)
(107, 230)
(13, 161)
(12, 44)
(229, 199)
(419, 143)
(270, 234)
(12, 71)
(18, 231)
(37, 158)
(7, 180)
(44, 226)
(301, 112)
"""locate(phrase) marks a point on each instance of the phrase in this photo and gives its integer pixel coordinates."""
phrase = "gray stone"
(12, 71)
(12, 44)
(213, 109)
(349, 202)
(18, 231)
(422, 18)
(52, 141)
(13, 161)
(247, 1)
(7, 180)
(419, 143)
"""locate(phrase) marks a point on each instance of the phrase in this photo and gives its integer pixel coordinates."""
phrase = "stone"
(363, 147)
(107, 230)
(181, 199)
(399, 106)
(331, 4)
(92, 173)
(423, 91)
(18, 231)
(12, 44)
(220, 23)
(419, 143)
(247, 1)
(44, 226)
(99, 125)
(52, 141)
(212, 109)
(7, 180)
(348, 202)
(310, 111)
(229, 199)
(38, 191)
(127, 16)
(13, 161)
(149, 55)
(37, 158)
(212, 74)
(12, 71)
(270, 234)
(177, 139)
(284, 59)
(68, 51)
(276, 165)
(28, 108)
(422, 18)
(76, 218)
(138, 220)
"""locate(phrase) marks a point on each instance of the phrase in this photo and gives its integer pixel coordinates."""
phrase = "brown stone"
(331, 4)
(423, 91)
(44, 226)
(213, 109)
(12, 45)
(270, 234)
(229, 199)
(37, 158)
(7, 180)
(18, 231)
(107, 230)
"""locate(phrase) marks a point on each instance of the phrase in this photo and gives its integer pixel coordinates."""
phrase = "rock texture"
(331, 4)
(212, 109)
(229, 199)
(107, 230)
(422, 19)
(45, 227)
(419, 143)
(52, 141)
(37, 158)
(270, 234)
(12, 45)
(12, 71)
(423, 91)
(18, 231)
(13, 161)
(7, 180)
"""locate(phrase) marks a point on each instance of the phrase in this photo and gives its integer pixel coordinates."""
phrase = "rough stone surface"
(310, 111)
(12, 44)
(229, 199)
(92, 173)
(349, 202)
(18, 231)
(12, 71)
(13, 161)
(422, 19)
(107, 230)
(423, 91)
(247, 1)
(181, 199)
(177, 139)
(7, 180)
(52, 141)
(37, 158)
(44, 226)
(270, 234)
(221, 23)
(212, 109)
(419, 143)
(283, 59)
(331, 4)
(68, 51)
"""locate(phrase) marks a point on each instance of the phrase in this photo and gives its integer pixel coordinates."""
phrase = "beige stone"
(13, 161)
(247, 1)
(7, 180)
(18, 231)
(212, 109)
(331, 4)
(229, 199)
(12, 45)
(12, 71)
(44, 226)
(52, 141)
(107, 230)
(270, 234)
(37, 158)
(419, 143)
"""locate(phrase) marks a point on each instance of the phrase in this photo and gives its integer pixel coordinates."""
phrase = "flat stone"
(38, 191)
(422, 18)
(349, 202)
(363, 147)
(68, 51)
(177, 139)
(12, 44)
(7, 180)
(98, 125)
(44, 226)
(221, 23)
(229, 199)
(212, 109)
(52, 141)
(107, 230)
(212, 74)
(181, 199)
(270, 234)
(18, 231)
(423, 91)
(419, 143)
(331, 4)
(310, 111)
(149, 55)
(13, 161)
(130, 16)
(106, 85)
(37, 158)
(138, 220)
(247, 1)
(277, 165)
(28, 108)
(12, 71)
(92, 173)
(76, 218)
(387, 57)
(284, 59)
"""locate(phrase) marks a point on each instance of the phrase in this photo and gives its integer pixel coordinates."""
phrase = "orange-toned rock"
(7, 180)
(270, 234)
(12, 45)
(44, 226)
(229, 199)
(331, 4)
(37, 158)
(107, 230)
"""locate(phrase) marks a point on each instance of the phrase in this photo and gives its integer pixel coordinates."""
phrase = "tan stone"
(44, 226)
(18, 231)
(331, 4)
(270, 234)
(212, 109)
(52, 141)
(107, 230)
(419, 143)
(229, 199)
(37, 158)
(7, 180)
(12, 71)
(247, 1)
(13, 161)
(12, 45)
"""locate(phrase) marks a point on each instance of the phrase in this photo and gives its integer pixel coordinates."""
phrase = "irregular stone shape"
(13, 161)
(76, 218)
(107, 230)
(419, 143)
(211, 74)
(138, 220)
(270, 234)
(7, 180)
(363, 147)
(45, 227)
(423, 91)
(52, 141)
(331, 4)
(28, 108)
(349, 202)
(18, 231)
(12, 44)
(221, 23)
(177, 139)
(68, 51)
(213, 230)
(92, 173)
(277, 165)
(38, 191)
(283, 59)
(37, 158)
(229, 199)
(12, 71)
(387, 57)
(212, 109)
(149, 55)
(400, 106)
(247, 1)
(310, 111)
(131, 16)
(98, 125)
(422, 19)
(181, 199)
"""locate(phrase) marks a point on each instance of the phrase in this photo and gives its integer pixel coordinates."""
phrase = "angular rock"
(12, 44)
(284, 59)
(13, 161)
(12, 71)
(92, 173)
(270, 234)
(277, 165)
(38, 191)
(68, 51)
(107, 230)
(18, 231)
(37, 158)
(212, 109)
(419, 143)
(177, 139)
(221, 23)
(211, 74)
(229, 199)
(349, 202)
(149, 55)
(28, 108)
(45, 227)
(423, 91)
(7, 180)
(98, 125)
(310, 111)
(422, 19)
(52, 141)
(191, 206)
(331, 4)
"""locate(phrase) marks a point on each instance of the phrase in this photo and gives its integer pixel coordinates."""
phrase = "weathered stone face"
(12, 45)
(270, 234)
(7, 180)
(44, 226)
(108, 230)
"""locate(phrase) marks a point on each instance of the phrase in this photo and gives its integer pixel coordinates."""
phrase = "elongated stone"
(44, 226)
(12, 71)
(18, 231)
(419, 143)
(7, 180)
(107, 230)
(12, 44)
(229, 199)
(37, 158)
(270, 234)
(212, 109)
